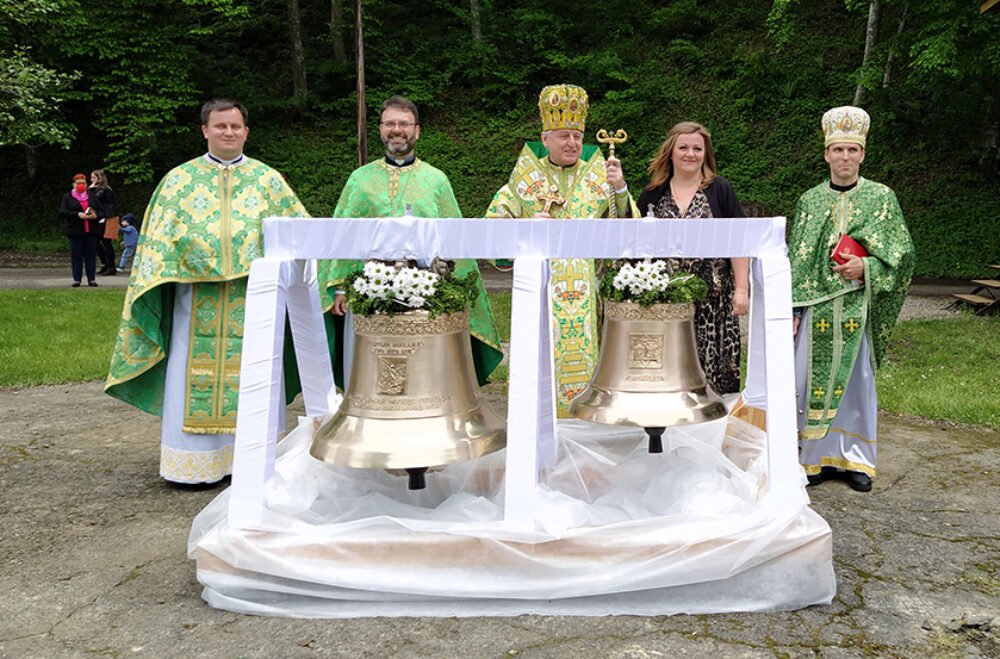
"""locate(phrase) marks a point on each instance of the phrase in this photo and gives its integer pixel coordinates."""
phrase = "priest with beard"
(399, 184)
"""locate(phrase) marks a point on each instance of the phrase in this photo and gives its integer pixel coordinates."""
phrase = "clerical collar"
(225, 163)
(843, 188)
(405, 162)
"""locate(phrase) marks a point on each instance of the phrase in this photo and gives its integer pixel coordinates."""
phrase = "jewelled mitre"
(563, 106)
(846, 124)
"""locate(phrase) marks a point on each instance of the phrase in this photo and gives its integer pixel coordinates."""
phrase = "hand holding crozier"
(613, 166)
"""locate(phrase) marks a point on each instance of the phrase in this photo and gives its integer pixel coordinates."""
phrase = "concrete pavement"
(93, 562)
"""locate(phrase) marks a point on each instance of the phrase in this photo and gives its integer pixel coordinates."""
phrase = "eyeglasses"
(392, 125)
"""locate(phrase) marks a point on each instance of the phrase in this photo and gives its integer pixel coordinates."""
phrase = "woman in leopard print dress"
(684, 184)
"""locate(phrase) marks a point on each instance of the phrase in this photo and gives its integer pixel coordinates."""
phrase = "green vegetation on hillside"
(758, 73)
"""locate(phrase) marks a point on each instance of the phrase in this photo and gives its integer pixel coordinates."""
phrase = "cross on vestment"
(549, 197)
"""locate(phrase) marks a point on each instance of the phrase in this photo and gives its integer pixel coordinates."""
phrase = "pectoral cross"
(604, 137)
(549, 197)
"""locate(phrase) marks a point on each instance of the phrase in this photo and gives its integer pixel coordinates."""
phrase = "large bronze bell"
(648, 373)
(412, 400)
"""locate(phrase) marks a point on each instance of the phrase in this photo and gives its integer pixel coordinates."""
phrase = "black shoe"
(106, 272)
(92, 283)
(858, 480)
(825, 474)
(76, 284)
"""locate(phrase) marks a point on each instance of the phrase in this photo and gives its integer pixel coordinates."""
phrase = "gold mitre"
(563, 106)
(846, 124)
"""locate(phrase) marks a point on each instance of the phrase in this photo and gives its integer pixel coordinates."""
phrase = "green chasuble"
(842, 311)
(585, 192)
(203, 226)
(379, 189)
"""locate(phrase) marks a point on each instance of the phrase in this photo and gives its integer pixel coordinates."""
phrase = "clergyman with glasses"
(390, 187)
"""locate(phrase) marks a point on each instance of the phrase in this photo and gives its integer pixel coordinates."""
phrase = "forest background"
(117, 84)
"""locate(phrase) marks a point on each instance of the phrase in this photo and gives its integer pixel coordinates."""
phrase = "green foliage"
(451, 295)
(682, 288)
(758, 74)
(30, 96)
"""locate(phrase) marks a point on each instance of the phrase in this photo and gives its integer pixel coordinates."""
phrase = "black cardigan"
(721, 198)
(68, 209)
(103, 201)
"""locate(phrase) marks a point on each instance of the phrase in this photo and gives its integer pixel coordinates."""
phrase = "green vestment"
(203, 226)
(379, 189)
(585, 192)
(842, 311)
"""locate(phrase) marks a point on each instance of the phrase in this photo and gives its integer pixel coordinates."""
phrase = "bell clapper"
(417, 481)
(655, 438)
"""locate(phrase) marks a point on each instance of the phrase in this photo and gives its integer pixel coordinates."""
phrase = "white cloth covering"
(617, 531)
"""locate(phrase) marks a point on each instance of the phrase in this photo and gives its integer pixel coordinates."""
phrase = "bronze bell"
(648, 373)
(412, 400)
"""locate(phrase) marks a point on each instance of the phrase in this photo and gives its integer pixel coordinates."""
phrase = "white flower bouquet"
(649, 281)
(391, 288)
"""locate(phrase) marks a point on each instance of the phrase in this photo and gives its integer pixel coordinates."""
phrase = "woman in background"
(684, 184)
(103, 201)
(83, 230)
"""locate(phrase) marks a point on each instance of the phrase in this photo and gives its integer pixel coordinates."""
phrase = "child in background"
(130, 235)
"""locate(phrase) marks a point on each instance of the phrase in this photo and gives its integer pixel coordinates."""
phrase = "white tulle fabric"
(616, 530)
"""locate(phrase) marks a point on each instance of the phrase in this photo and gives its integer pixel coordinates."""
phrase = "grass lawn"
(939, 369)
(55, 336)
(944, 368)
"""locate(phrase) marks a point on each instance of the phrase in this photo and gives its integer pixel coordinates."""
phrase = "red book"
(849, 245)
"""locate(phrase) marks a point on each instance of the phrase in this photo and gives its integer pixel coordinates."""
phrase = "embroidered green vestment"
(585, 192)
(379, 189)
(842, 311)
(203, 226)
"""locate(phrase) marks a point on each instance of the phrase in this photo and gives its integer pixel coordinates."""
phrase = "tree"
(31, 95)
(299, 86)
(871, 36)
(140, 61)
(337, 32)
(30, 98)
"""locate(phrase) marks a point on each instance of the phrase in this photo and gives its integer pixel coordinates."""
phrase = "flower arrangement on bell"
(412, 400)
(648, 373)
(382, 287)
(650, 281)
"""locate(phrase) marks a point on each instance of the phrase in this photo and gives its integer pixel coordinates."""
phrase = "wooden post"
(359, 47)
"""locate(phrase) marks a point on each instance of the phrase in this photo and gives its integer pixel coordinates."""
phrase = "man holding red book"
(852, 259)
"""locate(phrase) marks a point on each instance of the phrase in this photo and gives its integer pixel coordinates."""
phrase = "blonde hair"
(661, 167)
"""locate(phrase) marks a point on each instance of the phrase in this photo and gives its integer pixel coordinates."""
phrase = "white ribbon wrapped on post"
(284, 280)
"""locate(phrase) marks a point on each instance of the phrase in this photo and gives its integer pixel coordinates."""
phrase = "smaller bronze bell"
(648, 373)
(412, 401)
